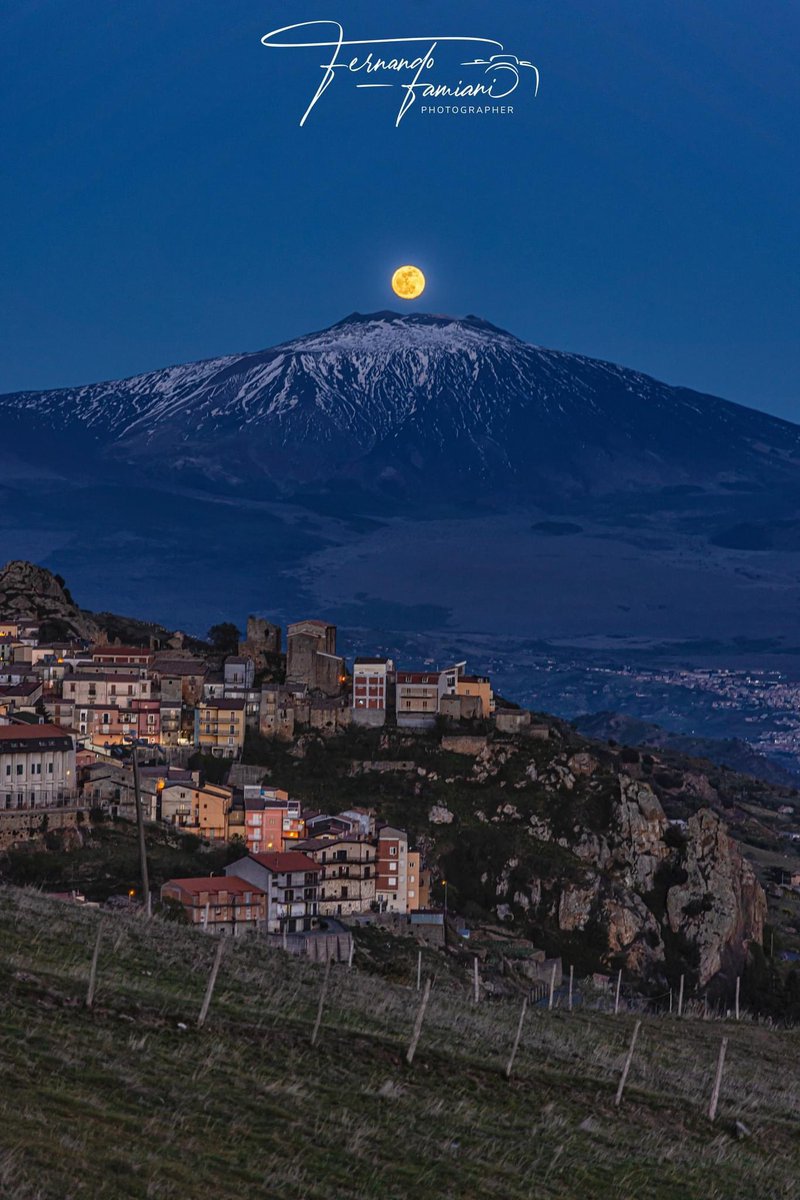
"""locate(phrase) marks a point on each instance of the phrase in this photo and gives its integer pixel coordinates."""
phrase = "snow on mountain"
(410, 401)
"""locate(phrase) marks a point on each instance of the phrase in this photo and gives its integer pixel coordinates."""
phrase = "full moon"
(408, 282)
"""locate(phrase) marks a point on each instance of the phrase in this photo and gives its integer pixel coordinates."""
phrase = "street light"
(140, 824)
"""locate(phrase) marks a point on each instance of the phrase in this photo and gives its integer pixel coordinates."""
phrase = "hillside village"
(74, 713)
(324, 796)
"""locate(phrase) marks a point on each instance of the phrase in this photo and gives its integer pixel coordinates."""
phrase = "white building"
(290, 880)
(37, 766)
(371, 683)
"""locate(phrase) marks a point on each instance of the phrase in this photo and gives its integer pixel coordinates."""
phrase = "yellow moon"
(408, 282)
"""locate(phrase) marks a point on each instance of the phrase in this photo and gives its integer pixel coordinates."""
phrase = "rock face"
(654, 896)
(34, 593)
(721, 907)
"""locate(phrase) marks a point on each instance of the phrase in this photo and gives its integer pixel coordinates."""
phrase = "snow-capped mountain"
(414, 405)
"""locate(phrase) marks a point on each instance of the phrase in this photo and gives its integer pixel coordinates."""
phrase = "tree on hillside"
(224, 637)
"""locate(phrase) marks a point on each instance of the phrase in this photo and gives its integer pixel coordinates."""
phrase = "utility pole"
(140, 824)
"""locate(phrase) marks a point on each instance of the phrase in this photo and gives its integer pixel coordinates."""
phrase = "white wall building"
(37, 766)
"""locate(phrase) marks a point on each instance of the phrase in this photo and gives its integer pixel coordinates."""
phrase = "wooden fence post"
(680, 998)
(712, 1108)
(321, 1003)
(212, 979)
(93, 968)
(616, 997)
(513, 1055)
(418, 1023)
(627, 1067)
(571, 977)
(352, 951)
(419, 970)
(738, 984)
(476, 980)
(552, 987)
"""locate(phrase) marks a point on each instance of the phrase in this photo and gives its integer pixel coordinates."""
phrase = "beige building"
(106, 688)
(418, 890)
(347, 879)
(195, 808)
(219, 727)
(418, 696)
(480, 688)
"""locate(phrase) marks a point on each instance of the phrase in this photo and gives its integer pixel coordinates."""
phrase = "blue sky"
(161, 204)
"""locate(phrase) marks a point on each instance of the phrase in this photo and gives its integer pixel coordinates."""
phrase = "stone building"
(262, 641)
(311, 658)
(347, 873)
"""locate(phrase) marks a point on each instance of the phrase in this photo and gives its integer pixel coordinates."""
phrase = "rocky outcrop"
(721, 907)
(633, 932)
(641, 825)
(659, 902)
(33, 593)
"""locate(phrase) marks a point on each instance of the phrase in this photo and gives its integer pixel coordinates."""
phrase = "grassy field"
(130, 1099)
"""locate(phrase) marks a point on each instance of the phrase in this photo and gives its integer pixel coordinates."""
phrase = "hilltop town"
(315, 796)
(75, 712)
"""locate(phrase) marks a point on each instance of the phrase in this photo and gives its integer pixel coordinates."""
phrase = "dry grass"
(124, 1102)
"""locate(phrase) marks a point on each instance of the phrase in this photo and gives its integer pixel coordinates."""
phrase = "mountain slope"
(390, 402)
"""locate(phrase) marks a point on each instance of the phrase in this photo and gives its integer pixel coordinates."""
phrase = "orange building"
(418, 883)
(220, 903)
(272, 820)
(480, 686)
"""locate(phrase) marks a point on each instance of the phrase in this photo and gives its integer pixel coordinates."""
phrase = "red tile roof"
(214, 883)
(287, 860)
(106, 651)
(16, 733)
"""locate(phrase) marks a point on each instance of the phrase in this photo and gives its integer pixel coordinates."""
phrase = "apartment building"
(418, 694)
(221, 904)
(291, 882)
(418, 883)
(123, 656)
(479, 687)
(37, 766)
(391, 890)
(105, 687)
(347, 879)
(219, 727)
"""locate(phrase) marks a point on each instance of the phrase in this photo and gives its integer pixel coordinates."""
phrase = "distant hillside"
(130, 1099)
(725, 752)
